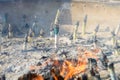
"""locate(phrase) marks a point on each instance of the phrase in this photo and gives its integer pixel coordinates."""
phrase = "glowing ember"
(31, 76)
(70, 68)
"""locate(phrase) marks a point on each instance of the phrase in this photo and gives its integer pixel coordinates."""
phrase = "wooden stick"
(95, 36)
(84, 25)
(0, 41)
(117, 30)
(112, 71)
(114, 41)
(75, 31)
(25, 42)
(57, 15)
(10, 35)
(0, 37)
(113, 38)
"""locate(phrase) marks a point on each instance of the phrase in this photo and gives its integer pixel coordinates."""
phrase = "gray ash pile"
(83, 65)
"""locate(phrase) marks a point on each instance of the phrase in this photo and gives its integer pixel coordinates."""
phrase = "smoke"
(66, 5)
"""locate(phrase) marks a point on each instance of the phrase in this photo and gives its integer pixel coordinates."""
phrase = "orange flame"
(39, 77)
(73, 69)
(70, 68)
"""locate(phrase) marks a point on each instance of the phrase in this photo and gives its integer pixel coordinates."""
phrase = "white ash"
(13, 61)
